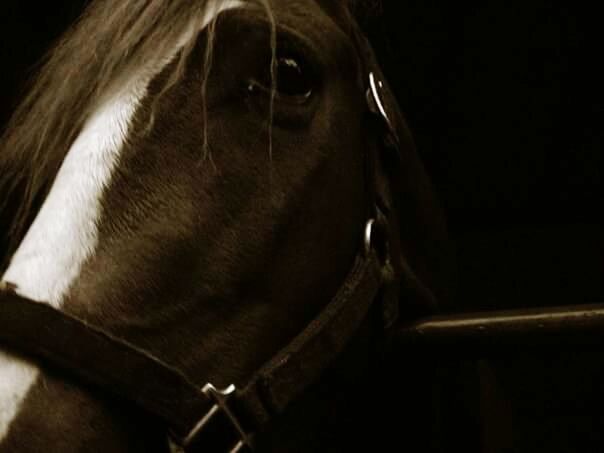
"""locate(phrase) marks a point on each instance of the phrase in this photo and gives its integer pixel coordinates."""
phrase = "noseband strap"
(197, 418)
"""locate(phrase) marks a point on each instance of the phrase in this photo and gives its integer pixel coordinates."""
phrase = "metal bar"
(485, 334)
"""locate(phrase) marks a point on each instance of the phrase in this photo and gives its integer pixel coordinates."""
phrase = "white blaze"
(65, 232)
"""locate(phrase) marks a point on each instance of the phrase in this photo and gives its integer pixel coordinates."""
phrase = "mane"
(111, 39)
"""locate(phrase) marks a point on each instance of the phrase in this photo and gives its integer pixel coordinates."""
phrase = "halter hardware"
(375, 103)
(374, 97)
(375, 236)
(375, 100)
(213, 422)
(368, 236)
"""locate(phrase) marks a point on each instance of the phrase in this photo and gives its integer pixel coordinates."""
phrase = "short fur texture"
(212, 268)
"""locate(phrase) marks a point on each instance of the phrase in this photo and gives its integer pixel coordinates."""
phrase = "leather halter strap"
(46, 334)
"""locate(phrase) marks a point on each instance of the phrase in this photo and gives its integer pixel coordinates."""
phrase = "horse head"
(195, 178)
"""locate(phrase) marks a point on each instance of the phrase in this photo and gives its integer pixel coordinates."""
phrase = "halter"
(221, 419)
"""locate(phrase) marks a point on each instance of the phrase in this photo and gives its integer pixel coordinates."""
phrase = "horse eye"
(292, 79)
(294, 82)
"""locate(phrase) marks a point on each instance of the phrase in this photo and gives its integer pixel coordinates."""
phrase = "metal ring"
(375, 86)
(368, 236)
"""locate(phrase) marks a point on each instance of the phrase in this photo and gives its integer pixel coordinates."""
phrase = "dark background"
(506, 103)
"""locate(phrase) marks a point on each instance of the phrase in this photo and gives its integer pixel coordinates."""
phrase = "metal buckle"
(241, 441)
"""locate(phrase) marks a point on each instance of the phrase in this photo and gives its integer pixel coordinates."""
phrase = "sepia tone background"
(506, 103)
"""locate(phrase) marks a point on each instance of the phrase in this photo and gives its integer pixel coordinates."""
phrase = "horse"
(194, 186)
